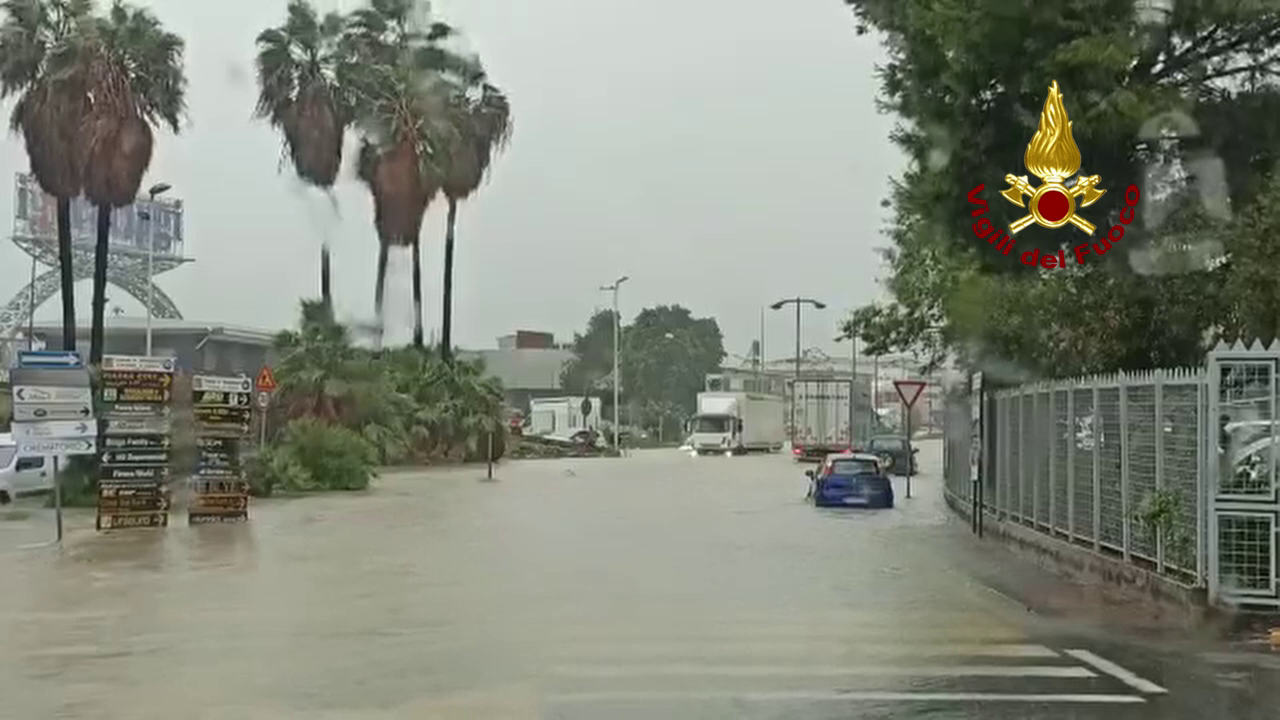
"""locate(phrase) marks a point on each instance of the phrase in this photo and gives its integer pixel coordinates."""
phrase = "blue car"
(850, 480)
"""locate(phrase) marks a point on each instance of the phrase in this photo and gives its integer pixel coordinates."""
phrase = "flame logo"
(1052, 154)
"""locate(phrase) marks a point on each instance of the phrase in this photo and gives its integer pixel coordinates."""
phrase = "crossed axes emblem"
(1085, 189)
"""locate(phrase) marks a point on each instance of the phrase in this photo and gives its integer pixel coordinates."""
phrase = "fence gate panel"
(1241, 445)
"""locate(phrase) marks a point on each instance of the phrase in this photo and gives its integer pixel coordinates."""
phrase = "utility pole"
(155, 190)
(853, 386)
(798, 302)
(617, 378)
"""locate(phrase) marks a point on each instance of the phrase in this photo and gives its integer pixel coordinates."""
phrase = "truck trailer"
(822, 418)
(737, 423)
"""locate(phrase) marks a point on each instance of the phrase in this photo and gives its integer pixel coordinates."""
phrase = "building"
(205, 347)
(528, 363)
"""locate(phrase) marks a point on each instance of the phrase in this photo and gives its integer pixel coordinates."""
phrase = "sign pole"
(915, 387)
(906, 411)
(57, 499)
(490, 454)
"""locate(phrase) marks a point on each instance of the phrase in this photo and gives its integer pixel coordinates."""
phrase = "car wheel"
(4, 497)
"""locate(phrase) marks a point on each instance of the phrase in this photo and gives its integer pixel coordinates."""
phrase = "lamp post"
(155, 190)
(853, 384)
(617, 331)
(798, 302)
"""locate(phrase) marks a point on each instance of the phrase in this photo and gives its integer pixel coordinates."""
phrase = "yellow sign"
(1053, 157)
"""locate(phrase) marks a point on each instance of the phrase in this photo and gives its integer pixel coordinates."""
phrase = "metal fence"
(1112, 463)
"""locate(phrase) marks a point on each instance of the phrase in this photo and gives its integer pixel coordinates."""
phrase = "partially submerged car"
(893, 454)
(850, 480)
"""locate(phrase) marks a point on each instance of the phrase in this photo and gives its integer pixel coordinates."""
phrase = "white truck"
(737, 423)
(563, 417)
(822, 419)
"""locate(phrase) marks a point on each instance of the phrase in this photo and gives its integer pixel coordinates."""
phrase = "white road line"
(867, 696)
(954, 671)
(1128, 678)
(810, 648)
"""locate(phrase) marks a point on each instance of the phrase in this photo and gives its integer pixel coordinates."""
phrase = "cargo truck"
(737, 423)
(822, 419)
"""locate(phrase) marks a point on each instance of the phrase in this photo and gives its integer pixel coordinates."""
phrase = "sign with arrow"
(58, 446)
(55, 429)
(136, 410)
(213, 398)
(138, 426)
(136, 379)
(116, 473)
(49, 359)
(139, 442)
(32, 394)
(52, 411)
(219, 383)
(119, 521)
(909, 391)
(135, 457)
(138, 363)
(136, 395)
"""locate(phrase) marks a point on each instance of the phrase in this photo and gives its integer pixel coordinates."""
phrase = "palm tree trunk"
(100, 251)
(68, 275)
(417, 294)
(446, 323)
(326, 288)
(380, 290)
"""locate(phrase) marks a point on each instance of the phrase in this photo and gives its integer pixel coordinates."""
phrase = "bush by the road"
(311, 455)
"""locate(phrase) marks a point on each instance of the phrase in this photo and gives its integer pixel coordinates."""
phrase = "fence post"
(1023, 475)
(1126, 530)
(1071, 463)
(1035, 458)
(1051, 437)
(1096, 424)
(1160, 533)
(1206, 563)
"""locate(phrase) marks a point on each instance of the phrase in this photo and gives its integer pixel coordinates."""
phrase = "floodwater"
(653, 586)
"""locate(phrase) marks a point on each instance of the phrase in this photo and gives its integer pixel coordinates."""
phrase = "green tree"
(136, 81)
(301, 92)
(668, 355)
(482, 117)
(592, 363)
(969, 78)
(43, 62)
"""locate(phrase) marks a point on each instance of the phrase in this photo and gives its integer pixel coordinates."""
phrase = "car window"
(852, 467)
(887, 444)
(30, 463)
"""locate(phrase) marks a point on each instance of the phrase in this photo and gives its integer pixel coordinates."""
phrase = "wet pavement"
(654, 586)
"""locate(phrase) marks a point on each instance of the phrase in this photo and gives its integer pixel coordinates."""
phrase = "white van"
(22, 475)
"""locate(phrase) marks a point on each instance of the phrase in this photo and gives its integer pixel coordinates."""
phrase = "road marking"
(954, 671)
(811, 648)
(1128, 678)
(866, 696)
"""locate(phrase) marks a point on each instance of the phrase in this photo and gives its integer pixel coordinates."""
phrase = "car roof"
(854, 456)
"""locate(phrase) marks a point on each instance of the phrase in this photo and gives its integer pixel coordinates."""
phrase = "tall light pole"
(617, 331)
(853, 384)
(798, 302)
(155, 190)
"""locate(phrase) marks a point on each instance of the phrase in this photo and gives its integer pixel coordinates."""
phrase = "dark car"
(850, 480)
(893, 452)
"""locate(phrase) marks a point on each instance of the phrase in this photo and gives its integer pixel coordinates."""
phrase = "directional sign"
(54, 429)
(221, 414)
(52, 411)
(136, 378)
(132, 497)
(137, 362)
(218, 444)
(219, 383)
(154, 472)
(137, 410)
(909, 390)
(32, 394)
(58, 446)
(139, 442)
(213, 398)
(194, 518)
(135, 457)
(136, 395)
(266, 380)
(214, 486)
(139, 426)
(264, 399)
(49, 359)
(49, 377)
(117, 521)
(218, 472)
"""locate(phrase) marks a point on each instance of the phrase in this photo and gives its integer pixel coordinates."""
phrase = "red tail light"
(797, 450)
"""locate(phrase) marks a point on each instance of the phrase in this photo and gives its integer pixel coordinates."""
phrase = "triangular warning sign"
(909, 390)
(266, 381)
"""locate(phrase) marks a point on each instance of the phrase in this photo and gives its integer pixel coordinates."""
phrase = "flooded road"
(653, 586)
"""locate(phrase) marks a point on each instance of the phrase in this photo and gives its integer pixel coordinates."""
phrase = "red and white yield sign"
(909, 390)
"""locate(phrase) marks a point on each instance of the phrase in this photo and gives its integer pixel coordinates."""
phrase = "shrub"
(312, 455)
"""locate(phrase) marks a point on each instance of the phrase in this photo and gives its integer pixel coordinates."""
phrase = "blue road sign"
(49, 359)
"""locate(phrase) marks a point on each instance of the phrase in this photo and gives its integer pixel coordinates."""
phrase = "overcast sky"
(722, 153)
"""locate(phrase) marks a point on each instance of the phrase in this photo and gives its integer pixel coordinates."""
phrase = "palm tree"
(43, 62)
(483, 122)
(136, 80)
(300, 91)
(403, 80)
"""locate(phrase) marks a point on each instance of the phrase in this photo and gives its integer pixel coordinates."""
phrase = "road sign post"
(223, 408)
(265, 385)
(908, 393)
(53, 413)
(133, 480)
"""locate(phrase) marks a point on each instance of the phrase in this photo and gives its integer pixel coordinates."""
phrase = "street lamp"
(798, 302)
(155, 190)
(853, 383)
(617, 330)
